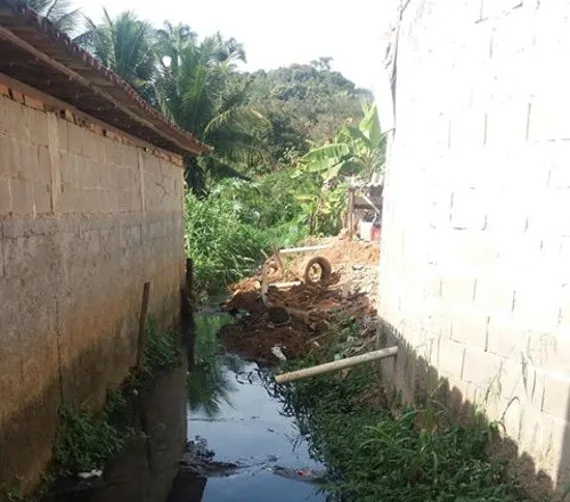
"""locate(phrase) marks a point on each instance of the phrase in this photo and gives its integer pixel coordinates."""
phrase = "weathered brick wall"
(475, 261)
(87, 216)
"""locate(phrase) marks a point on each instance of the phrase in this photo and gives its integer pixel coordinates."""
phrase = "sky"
(276, 33)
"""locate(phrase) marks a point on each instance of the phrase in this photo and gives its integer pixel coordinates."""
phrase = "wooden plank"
(350, 213)
(142, 326)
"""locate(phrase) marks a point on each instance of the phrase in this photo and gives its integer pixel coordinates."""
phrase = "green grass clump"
(86, 440)
(375, 454)
(223, 248)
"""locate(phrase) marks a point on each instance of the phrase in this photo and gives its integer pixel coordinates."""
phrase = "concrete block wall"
(475, 268)
(87, 216)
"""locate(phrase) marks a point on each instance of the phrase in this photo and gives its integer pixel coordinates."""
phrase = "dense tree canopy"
(306, 104)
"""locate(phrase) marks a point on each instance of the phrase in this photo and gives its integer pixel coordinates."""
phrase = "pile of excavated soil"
(310, 309)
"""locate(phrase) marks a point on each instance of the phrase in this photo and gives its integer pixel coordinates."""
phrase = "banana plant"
(355, 151)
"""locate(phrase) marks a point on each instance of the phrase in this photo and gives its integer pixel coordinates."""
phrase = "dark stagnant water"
(224, 403)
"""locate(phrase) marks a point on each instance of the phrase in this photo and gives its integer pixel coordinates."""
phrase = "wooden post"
(351, 213)
(190, 277)
(142, 325)
(336, 365)
(187, 320)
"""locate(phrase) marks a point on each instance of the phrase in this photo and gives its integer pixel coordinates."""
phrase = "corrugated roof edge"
(31, 17)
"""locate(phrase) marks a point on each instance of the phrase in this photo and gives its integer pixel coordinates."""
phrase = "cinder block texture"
(85, 221)
(476, 225)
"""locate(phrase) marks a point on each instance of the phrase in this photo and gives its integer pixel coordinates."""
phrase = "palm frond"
(59, 12)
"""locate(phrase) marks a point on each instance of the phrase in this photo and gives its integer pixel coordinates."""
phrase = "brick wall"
(475, 262)
(87, 216)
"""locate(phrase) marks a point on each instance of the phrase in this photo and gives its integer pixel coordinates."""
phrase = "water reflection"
(233, 406)
(253, 432)
(209, 386)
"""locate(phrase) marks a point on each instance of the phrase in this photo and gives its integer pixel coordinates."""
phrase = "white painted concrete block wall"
(475, 269)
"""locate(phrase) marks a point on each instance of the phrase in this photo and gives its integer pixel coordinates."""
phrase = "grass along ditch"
(87, 440)
(377, 449)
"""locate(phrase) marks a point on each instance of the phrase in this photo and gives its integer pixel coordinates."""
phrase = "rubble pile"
(296, 318)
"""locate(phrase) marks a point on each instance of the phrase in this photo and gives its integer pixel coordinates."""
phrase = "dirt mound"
(311, 307)
(312, 310)
(353, 252)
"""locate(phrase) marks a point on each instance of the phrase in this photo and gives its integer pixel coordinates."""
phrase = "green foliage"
(125, 45)
(222, 247)
(321, 205)
(14, 495)
(229, 232)
(305, 104)
(60, 12)
(375, 454)
(199, 89)
(256, 123)
(87, 440)
(355, 151)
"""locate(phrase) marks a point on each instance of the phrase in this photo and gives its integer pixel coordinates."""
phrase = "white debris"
(278, 353)
(95, 473)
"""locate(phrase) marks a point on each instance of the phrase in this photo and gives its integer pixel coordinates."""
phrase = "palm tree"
(354, 151)
(172, 40)
(198, 88)
(125, 45)
(59, 12)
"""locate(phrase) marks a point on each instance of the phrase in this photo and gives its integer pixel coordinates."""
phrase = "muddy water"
(225, 403)
(243, 424)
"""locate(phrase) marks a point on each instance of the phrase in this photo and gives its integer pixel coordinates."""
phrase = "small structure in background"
(364, 209)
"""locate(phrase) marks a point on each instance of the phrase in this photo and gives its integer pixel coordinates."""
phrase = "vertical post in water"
(188, 323)
(142, 325)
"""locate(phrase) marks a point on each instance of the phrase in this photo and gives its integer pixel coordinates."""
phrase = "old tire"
(325, 268)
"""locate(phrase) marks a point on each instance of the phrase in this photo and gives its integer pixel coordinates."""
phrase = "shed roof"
(34, 52)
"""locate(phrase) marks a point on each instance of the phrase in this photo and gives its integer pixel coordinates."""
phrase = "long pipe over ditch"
(336, 365)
